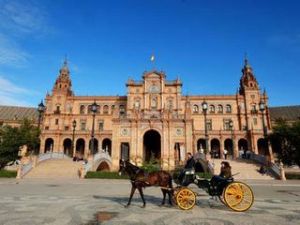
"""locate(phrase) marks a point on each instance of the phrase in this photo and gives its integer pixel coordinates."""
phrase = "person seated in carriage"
(189, 166)
(225, 173)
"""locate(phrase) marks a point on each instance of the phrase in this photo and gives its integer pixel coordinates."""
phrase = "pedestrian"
(225, 152)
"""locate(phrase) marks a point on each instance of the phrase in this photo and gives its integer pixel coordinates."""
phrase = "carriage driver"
(189, 165)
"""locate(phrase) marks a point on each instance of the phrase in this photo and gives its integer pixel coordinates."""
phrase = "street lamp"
(232, 137)
(262, 108)
(204, 108)
(41, 110)
(73, 137)
(94, 108)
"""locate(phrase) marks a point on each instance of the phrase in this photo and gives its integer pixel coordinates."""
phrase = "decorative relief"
(125, 132)
(179, 131)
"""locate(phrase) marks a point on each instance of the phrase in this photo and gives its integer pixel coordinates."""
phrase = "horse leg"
(170, 197)
(142, 196)
(131, 194)
(164, 198)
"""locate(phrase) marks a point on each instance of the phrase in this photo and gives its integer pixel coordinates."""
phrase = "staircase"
(55, 168)
(246, 169)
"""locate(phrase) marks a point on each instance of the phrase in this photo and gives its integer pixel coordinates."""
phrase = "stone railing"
(275, 169)
(102, 154)
(34, 160)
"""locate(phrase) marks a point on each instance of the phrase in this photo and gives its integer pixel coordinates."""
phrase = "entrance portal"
(152, 146)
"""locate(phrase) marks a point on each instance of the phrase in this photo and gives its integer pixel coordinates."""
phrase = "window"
(82, 125)
(122, 110)
(82, 109)
(212, 109)
(226, 123)
(112, 107)
(46, 127)
(57, 111)
(253, 108)
(98, 109)
(228, 108)
(195, 109)
(56, 121)
(66, 127)
(255, 121)
(209, 124)
(105, 109)
(1, 123)
(170, 103)
(220, 109)
(89, 109)
(101, 125)
(137, 103)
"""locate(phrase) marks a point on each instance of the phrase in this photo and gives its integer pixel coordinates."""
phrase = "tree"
(285, 141)
(12, 138)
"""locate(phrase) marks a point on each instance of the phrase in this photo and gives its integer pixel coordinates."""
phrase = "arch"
(82, 109)
(220, 109)
(103, 166)
(212, 109)
(243, 144)
(80, 146)
(96, 146)
(106, 145)
(105, 109)
(215, 148)
(228, 145)
(201, 144)
(68, 147)
(195, 109)
(262, 146)
(152, 145)
(228, 108)
(49, 143)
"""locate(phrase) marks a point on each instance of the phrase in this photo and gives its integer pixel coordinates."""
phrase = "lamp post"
(262, 108)
(41, 110)
(73, 137)
(94, 110)
(204, 108)
(232, 137)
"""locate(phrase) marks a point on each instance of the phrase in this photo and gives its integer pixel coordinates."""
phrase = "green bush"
(8, 174)
(104, 175)
(152, 166)
(292, 176)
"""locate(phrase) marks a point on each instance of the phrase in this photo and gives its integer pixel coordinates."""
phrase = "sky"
(107, 42)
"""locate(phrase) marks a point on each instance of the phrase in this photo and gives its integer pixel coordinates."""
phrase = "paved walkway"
(84, 202)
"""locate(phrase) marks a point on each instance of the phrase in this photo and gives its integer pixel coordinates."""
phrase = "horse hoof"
(126, 206)
(144, 206)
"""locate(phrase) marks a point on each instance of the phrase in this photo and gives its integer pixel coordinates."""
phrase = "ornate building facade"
(155, 120)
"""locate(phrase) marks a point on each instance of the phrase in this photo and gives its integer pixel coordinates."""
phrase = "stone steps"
(55, 168)
(244, 169)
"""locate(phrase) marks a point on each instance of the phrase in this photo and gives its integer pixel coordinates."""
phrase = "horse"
(141, 179)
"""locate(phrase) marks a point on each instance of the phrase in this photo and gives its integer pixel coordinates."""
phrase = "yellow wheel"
(238, 196)
(185, 198)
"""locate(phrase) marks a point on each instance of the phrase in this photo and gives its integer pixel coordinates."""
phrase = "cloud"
(21, 16)
(12, 94)
(19, 20)
(11, 54)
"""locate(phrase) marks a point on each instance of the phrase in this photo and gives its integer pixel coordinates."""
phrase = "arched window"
(212, 109)
(228, 108)
(195, 109)
(220, 109)
(105, 109)
(170, 103)
(82, 109)
(137, 103)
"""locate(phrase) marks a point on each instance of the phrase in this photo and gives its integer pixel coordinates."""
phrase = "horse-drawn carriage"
(235, 194)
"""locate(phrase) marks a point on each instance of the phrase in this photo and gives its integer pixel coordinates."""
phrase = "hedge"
(8, 173)
(104, 175)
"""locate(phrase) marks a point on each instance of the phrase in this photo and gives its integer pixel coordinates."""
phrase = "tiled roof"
(17, 113)
(290, 113)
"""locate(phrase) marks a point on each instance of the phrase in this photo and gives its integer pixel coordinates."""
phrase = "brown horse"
(141, 179)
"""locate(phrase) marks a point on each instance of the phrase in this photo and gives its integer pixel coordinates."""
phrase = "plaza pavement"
(87, 202)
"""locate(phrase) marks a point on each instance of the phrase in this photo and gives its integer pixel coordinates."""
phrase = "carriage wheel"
(185, 198)
(238, 196)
